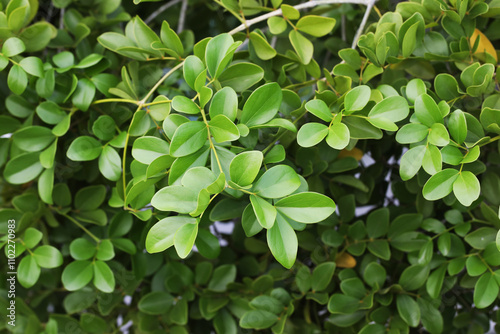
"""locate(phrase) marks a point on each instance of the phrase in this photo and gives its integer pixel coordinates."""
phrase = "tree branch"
(369, 7)
(309, 4)
(161, 10)
(182, 16)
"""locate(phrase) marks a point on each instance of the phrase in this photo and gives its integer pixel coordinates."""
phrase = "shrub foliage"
(266, 177)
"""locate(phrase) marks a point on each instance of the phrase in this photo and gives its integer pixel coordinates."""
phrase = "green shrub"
(266, 177)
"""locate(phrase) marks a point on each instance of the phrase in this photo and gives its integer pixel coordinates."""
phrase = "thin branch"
(363, 23)
(182, 16)
(309, 4)
(161, 10)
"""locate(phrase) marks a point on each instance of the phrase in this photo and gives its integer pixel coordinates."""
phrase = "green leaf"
(23, 168)
(185, 105)
(146, 149)
(414, 89)
(357, 98)
(435, 282)
(276, 182)
(84, 148)
(343, 304)
(432, 162)
(244, 167)
(104, 279)
(249, 222)
(17, 79)
(375, 275)
(161, 235)
(306, 207)
(412, 133)
(241, 76)
(440, 184)
(457, 126)
(438, 135)
(377, 223)
(104, 127)
(319, 109)
(408, 310)
(431, 316)
(215, 54)
(33, 138)
(170, 39)
(290, 12)
(175, 198)
(410, 40)
(466, 188)
(261, 46)
(110, 163)
(277, 25)
(188, 138)
(316, 26)
(414, 277)
(192, 68)
(393, 108)
(282, 242)
(208, 244)
(262, 105)
(84, 94)
(48, 256)
(28, 271)
(105, 250)
(33, 66)
(46, 185)
(12, 47)
(224, 102)
(322, 275)
(446, 86)
(77, 274)
(155, 303)
(427, 111)
(184, 239)
(222, 276)
(223, 129)
(32, 237)
(82, 249)
(90, 198)
(481, 237)
(411, 162)
(258, 319)
(302, 46)
(338, 136)
(264, 211)
(311, 134)
(486, 290)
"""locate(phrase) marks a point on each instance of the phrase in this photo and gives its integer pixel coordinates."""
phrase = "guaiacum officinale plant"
(361, 187)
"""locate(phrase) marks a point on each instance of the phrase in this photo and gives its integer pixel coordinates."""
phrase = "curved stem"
(77, 223)
(309, 4)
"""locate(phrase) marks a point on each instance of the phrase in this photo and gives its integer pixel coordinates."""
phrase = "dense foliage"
(229, 166)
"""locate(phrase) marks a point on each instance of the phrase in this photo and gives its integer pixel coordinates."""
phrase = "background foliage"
(325, 189)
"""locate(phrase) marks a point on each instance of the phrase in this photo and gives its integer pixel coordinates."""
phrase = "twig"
(182, 16)
(161, 10)
(363, 23)
(309, 4)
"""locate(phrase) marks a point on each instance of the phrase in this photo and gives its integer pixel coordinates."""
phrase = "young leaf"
(161, 235)
(357, 98)
(283, 242)
(276, 182)
(244, 167)
(316, 26)
(264, 211)
(311, 134)
(188, 138)
(466, 188)
(306, 207)
(440, 184)
(338, 136)
(262, 105)
(319, 109)
(77, 274)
